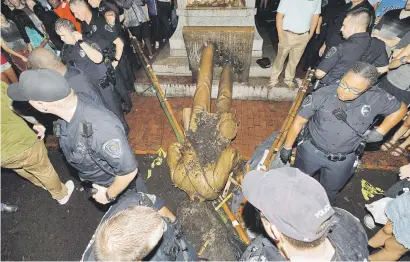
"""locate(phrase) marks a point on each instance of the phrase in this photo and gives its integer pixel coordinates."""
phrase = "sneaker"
(70, 188)
(9, 208)
(156, 44)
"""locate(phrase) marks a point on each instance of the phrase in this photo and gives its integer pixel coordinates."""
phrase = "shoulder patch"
(331, 52)
(389, 96)
(307, 101)
(82, 53)
(108, 28)
(113, 148)
(95, 46)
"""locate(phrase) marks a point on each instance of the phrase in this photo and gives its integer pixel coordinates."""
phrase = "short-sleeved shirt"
(63, 11)
(334, 37)
(298, 14)
(400, 77)
(11, 35)
(16, 135)
(387, 5)
(82, 83)
(49, 19)
(347, 236)
(74, 55)
(99, 32)
(135, 15)
(391, 26)
(334, 135)
(103, 156)
(359, 47)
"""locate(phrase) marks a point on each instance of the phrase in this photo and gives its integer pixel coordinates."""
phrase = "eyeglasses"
(351, 90)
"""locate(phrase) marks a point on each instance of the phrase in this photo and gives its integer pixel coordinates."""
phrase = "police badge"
(366, 109)
(108, 28)
(82, 53)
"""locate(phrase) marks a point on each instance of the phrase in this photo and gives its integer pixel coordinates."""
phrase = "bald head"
(44, 58)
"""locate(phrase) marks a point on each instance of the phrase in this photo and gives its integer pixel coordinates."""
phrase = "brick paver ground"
(150, 129)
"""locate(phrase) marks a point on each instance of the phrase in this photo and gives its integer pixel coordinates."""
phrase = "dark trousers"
(121, 83)
(155, 28)
(164, 14)
(113, 103)
(400, 94)
(333, 175)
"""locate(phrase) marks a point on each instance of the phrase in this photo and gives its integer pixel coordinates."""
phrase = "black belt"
(334, 157)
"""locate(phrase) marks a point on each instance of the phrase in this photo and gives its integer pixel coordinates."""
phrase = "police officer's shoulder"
(326, 91)
(376, 93)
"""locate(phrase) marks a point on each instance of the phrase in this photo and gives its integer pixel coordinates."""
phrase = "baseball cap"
(44, 85)
(291, 200)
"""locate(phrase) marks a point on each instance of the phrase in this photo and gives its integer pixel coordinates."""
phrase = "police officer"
(149, 232)
(41, 58)
(84, 56)
(91, 137)
(333, 37)
(95, 29)
(357, 46)
(338, 118)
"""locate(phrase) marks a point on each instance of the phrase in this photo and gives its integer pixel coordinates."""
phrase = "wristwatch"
(110, 199)
(403, 60)
(115, 59)
(80, 41)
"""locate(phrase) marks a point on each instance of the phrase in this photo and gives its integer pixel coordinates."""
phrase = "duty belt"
(334, 157)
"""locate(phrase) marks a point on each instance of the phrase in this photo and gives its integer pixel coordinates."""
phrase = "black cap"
(44, 85)
(292, 201)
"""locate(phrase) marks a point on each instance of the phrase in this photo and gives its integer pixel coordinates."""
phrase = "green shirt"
(16, 135)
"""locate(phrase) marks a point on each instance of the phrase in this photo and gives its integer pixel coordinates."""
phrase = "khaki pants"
(34, 165)
(392, 250)
(293, 45)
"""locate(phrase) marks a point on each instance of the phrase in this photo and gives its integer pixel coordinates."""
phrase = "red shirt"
(63, 11)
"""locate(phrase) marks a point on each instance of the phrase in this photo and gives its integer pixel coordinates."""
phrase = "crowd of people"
(73, 60)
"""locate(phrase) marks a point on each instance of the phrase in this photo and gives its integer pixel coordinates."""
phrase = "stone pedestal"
(175, 61)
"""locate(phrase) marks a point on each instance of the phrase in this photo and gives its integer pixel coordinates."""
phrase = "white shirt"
(298, 14)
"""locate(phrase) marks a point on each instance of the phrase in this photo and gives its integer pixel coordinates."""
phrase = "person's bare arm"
(11, 51)
(313, 24)
(165, 212)
(395, 63)
(319, 25)
(383, 69)
(294, 131)
(91, 52)
(279, 26)
(119, 47)
(390, 42)
(120, 183)
(319, 74)
(391, 120)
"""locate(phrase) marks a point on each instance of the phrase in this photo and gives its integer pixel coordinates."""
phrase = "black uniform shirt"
(49, 19)
(334, 135)
(338, 60)
(334, 36)
(347, 236)
(81, 83)
(390, 25)
(99, 32)
(106, 153)
(74, 55)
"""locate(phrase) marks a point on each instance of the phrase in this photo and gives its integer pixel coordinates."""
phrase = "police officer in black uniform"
(171, 246)
(41, 58)
(333, 36)
(107, 36)
(91, 137)
(338, 119)
(85, 56)
(357, 46)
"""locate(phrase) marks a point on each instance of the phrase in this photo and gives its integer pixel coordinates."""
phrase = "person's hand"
(25, 59)
(373, 136)
(30, 4)
(405, 172)
(110, 17)
(101, 195)
(77, 36)
(114, 64)
(41, 130)
(322, 50)
(30, 47)
(285, 154)
(407, 59)
(377, 20)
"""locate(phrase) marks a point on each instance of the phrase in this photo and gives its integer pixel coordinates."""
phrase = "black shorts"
(141, 31)
(401, 95)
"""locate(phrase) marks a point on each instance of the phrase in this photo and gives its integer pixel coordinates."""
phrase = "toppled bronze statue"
(202, 163)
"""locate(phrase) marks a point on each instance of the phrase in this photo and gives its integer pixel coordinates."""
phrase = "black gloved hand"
(285, 154)
(374, 136)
